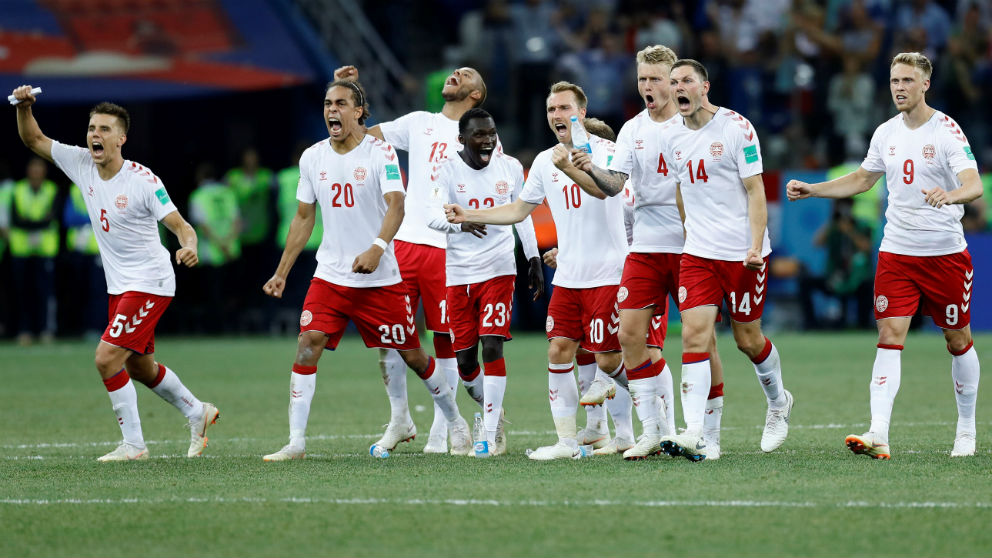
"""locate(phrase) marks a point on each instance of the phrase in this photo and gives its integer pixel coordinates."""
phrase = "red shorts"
(589, 316)
(422, 269)
(658, 330)
(647, 280)
(706, 282)
(480, 309)
(383, 315)
(943, 282)
(133, 317)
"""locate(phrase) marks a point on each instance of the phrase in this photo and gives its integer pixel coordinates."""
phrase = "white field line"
(502, 503)
(374, 436)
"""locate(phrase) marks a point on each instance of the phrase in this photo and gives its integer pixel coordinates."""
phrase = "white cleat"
(964, 445)
(289, 452)
(198, 429)
(615, 446)
(689, 446)
(437, 441)
(395, 433)
(499, 446)
(561, 450)
(600, 390)
(125, 452)
(593, 437)
(461, 441)
(712, 449)
(647, 445)
(776, 425)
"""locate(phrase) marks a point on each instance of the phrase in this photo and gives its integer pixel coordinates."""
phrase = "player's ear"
(121, 141)
(461, 139)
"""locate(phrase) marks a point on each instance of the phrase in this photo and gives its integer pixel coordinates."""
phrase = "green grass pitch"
(811, 497)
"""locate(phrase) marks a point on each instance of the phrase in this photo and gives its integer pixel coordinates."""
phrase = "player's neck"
(701, 116)
(110, 169)
(346, 144)
(918, 115)
(663, 113)
(454, 110)
(472, 164)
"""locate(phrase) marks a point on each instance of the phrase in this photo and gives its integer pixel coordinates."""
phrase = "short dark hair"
(113, 110)
(599, 128)
(357, 95)
(471, 113)
(695, 65)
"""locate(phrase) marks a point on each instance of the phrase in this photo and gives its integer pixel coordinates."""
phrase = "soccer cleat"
(689, 446)
(777, 425)
(964, 445)
(866, 444)
(647, 445)
(499, 447)
(437, 443)
(599, 390)
(593, 437)
(125, 452)
(198, 429)
(615, 446)
(395, 433)
(561, 450)
(461, 441)
(288, 452)
(712, 450)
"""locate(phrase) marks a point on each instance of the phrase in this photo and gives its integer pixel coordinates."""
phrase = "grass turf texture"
(811, 497)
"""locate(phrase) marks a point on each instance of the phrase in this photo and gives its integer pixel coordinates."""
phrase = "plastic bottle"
(584, 451)
(479, 441)
(378, 451)
(580, 139)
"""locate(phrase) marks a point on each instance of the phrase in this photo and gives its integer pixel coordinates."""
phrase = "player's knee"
(416, 360)
(467, 362)
(559, 353)
(492, 348)
(609, 361)
(957, 341)
(629, 337)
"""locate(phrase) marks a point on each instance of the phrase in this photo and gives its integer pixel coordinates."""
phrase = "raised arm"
(508, 214)
(561, 157)
(178, 226)
(757, 215)
(608, 182)
(846, 186)
(350, 73)
(300, 230)
(27, 126)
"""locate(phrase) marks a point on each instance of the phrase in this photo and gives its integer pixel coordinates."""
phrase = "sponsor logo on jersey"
(929, 151)
(121, 202)
(967, 151)
(461, 188)
(716, 149)
(392, 172)
(751, 154)
(881, 303)
(554, 177)
(549, 324)
(162, 196)
(638, 144)
(502, 188)
(360, 173)
(622, 294)
(682, 294)
(323, 175)
(305, 318)
(90, 192)
(892, 150)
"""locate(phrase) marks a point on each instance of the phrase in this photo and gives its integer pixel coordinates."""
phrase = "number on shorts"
(499, 310)
(952, 314)
(596, 330)
(745, 307)
(443, 305)
(117, 326)
(398, 335)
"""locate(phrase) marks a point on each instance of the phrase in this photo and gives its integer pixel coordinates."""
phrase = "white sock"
(444, 398)
(172, 390)
(695, 389)
(301, 390)
(666, 391)
(494, 388)
(711, 420)
(619, 375)
(394, 377)
(595, 414)
(125, 402)
(564, 396)
(620, 407)
(769, 373)
(475, 387)
(586, 374)
(886, 375)
(449, 369)
(965, 370)
(644, 395)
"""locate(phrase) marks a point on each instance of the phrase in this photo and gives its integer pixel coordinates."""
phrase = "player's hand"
(559, 156)
(367, 261)
(797, 190)
(454, 213)
(582, 160)
(937, 197)
(23, 94)
(275, 286)
(187, 257)
(551, 258)
(535, 277)
(753, 260)
(349, 73)
(477, 229)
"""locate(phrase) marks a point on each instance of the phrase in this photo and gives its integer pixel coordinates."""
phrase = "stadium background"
(206, 79)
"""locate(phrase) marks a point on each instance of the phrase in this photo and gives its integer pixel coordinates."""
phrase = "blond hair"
(580, 96)
(916, 60)
(657, 54)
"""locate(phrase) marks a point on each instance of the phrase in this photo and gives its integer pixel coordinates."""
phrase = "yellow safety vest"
(34, 228)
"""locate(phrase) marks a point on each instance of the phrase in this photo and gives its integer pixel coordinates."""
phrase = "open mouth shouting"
(334, 126)
(561, 130)
(486, 153)
(97, 148)
(649, 101)
(684, 103)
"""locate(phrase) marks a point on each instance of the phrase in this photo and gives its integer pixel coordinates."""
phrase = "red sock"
(716, 391)
(117, 381)
(496, 368)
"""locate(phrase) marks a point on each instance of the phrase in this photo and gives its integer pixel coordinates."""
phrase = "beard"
(455, 96)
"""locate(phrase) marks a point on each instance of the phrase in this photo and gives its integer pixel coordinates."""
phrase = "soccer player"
(125, 202)
(592, 246)
(716, 154)
(930, 172)
(356, 180)
(429, 139)
(481, 266)
(651, 271)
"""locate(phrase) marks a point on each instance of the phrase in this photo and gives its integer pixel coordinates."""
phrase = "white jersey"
(124, 212)
(429, 138)
(657, 223)
(474, 260)
(628, 211)
(913, 161)
(350, 190)
(592, 244)
(711, 163)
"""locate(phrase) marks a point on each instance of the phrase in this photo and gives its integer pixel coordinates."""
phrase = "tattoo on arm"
(609, 181)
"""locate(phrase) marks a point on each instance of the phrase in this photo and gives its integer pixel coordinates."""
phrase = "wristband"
(380, 243)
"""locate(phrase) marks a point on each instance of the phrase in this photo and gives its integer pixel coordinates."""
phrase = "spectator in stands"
(537, 44)
(922, 23)
(215, 214)
(6, 190)
(849, 101)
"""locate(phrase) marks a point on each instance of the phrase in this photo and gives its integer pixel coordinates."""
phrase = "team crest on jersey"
(881, 303)
(682, 294)
(716, 149)
(622, 294)
(892, 150)
(638, 144)
(461, 188)
(502, 188)
(549, 324)
(323, 175)
(929, 152)
(305, 318)
(360, 173)
(121, 202)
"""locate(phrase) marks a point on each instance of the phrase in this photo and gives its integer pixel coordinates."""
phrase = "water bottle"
(584, 451)
(580, 139)
(479, 441)
(378, 451)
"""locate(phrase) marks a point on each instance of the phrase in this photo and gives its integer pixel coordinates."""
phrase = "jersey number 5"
(104, 222)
